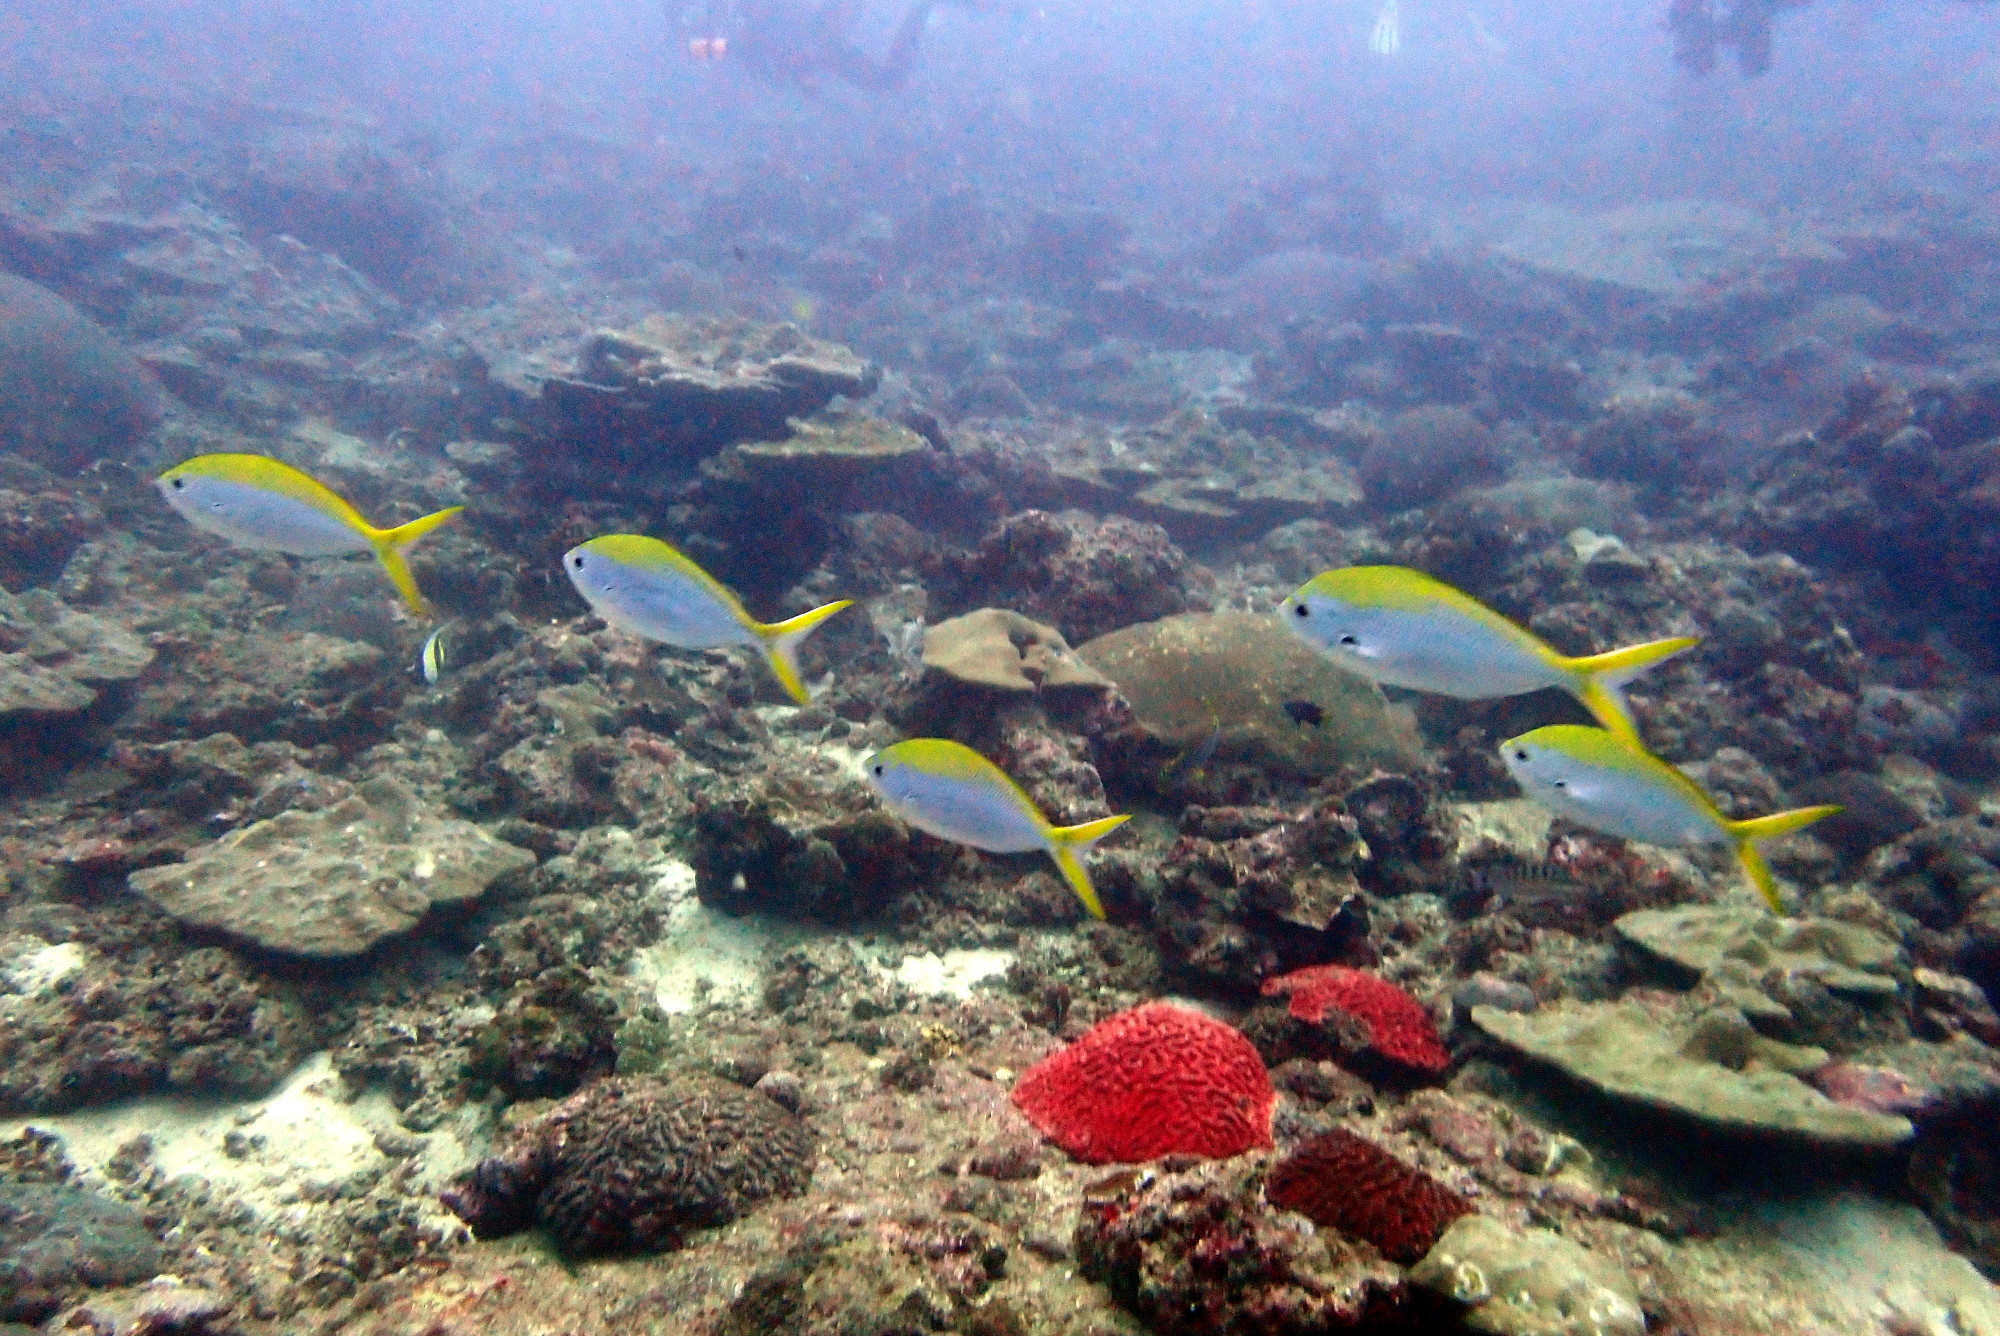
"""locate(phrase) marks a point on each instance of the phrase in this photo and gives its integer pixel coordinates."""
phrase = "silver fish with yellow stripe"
(258, 502)
(643, 586)
(1601, 781)
(1405, 629)
(953, 792)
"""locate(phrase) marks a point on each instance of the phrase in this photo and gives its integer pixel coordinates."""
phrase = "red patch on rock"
(1880, 1089)
(1155, 1080)
(1348, 1183)
(1399, 1027)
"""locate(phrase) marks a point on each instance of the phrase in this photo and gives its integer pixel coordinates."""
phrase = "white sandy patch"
(1870, 1265)
(953, 974)
(704, 955)
(1520, 826)
(313, 1144)
(34, 967)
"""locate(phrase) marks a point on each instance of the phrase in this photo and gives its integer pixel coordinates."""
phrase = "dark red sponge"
(1345, 1182)
(1399, 1027)
(1155, 1080)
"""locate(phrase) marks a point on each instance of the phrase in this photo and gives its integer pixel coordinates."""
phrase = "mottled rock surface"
(1711, 1069)
(56, 1240)
(68, 393)
(1530, 1282)
(1190, 675)
(333, 882)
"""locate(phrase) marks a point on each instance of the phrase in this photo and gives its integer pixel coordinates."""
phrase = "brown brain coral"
(629, 1165)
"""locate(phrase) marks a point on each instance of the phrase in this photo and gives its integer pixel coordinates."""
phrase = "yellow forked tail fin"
(781, 642)
(389, 545)
(1066, 842)
(1747, 833)
(1601, 679)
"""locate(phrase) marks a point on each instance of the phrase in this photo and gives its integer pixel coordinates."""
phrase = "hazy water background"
(1159, 112)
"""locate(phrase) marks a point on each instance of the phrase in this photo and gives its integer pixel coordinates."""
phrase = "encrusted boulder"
(632, 1165)
(1709, 1067)
(675, 388)
(808, 840)
(1751, 958)
(1082, 575)
(1245, 681)
(1530, 1282)
(1200, 1253)
(68, 393)
(57, 1240)
(51, 654)
(334, 882)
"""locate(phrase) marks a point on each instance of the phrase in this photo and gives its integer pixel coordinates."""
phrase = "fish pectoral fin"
(389, 545)
(1600, 679)
(782, 640)
(1066, 842)
(1747, 833)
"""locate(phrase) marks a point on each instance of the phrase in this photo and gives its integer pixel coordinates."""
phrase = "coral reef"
(334, 882)
(1157, 1080)
(1347, 1183)
(1399, 1028)
(1197, 1253)
(632, 1165)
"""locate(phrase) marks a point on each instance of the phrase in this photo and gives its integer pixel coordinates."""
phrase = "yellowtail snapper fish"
(1601, 781)
(1405, 629)
(953, 792)
(640, 585)
(258, 502)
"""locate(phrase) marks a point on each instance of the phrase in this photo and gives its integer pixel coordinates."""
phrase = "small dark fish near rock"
(1305, 714)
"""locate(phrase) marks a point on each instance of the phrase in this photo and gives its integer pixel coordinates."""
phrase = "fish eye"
(179, 483)
(1520, 755)
(577, 561)
(1349, 640)
(1302, 610)
(1562, 783)
(878, 769)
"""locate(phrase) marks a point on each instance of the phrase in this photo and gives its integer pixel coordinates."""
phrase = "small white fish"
(641, 585)
(431, 660)
(1405, 629)
(1387, 38)
(953, 792)
(258, 502)
(1600, 781)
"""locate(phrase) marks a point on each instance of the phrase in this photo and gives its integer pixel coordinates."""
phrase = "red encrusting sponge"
(1345, 1182)
(1399, 1027)
(1155, 1080)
